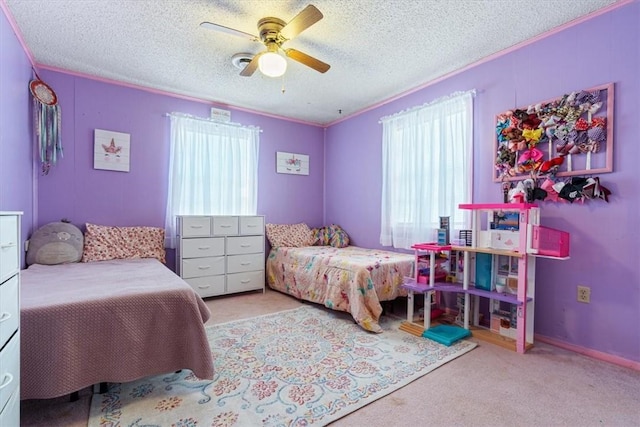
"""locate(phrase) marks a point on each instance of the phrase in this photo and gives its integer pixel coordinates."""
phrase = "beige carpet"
(547, 386)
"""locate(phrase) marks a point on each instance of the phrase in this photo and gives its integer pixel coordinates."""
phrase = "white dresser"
(10, 318)
(220, 255)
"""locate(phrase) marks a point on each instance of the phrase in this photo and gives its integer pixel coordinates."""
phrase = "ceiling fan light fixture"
(272, 65)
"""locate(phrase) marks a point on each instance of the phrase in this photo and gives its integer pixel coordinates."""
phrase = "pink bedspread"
(350, 279)
(107, 321)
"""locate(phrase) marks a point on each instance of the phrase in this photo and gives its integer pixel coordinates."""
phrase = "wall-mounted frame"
(569, 135)
(111, 150)
(291, 163)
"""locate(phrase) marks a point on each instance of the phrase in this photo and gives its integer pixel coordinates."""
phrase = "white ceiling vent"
(240, 60)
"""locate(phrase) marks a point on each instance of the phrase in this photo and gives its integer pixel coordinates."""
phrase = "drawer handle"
(245, 281)
(204, 267)
(8, 378)
(195, 226)
(204, 248)
(5, 316)
(8, 245)
(204, 286)
(225, 226)
(246, 263)
(245, 245)
(251, 225)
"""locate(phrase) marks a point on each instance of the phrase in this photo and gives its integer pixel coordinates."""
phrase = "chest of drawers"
(220, 255)
(10, 318)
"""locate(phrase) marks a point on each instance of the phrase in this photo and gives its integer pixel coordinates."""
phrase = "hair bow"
(599, 122)
(594, 108)
(581, 124)
(517, 145)
(552, 194)
(597, 134)
(531, 155)
(586, 97)
(532, 135)
(591, 146)
(551, 164)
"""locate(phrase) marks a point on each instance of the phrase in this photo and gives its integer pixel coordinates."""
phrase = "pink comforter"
(107, 321)
(350, 279)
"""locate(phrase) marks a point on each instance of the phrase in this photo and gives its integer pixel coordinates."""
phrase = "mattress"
(350, 279)
(107, 321)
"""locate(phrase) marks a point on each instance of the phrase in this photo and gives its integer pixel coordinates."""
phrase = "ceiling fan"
(273, 33)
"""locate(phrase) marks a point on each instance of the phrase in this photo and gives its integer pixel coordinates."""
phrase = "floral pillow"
(289, 235)
(103, 243)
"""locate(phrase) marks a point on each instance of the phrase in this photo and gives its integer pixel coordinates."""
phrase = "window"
(213, 170)
(427, 170)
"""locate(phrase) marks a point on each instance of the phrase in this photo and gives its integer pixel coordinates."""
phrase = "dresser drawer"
(10, 415)
(9, 370)
(247, 262)
(195, 226)
(199, 267)
(202, 247)
(251, 225)
(208, 286)
(225, 225)
(240, 282)
(237, 245)
(9, 246)
(9, 309)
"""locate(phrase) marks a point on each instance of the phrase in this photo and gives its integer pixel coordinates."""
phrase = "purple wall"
(604, 237)
(74, 190)
(16, 174)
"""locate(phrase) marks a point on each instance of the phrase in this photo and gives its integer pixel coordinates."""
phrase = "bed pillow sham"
(102, 243)
(289, 235)
(330, 235)
(321, 236)
(339, 237)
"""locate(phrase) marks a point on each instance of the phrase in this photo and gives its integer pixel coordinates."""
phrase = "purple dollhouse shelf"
(456, 287)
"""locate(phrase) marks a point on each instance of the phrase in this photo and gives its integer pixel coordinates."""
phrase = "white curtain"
(427, 155)
(213, 170)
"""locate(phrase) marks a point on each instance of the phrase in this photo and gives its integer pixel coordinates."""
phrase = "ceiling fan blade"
(307, 60)
(251, 67)
(303, 20)
(223, 29)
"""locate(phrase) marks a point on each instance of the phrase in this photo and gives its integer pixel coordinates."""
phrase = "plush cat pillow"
(55, 243)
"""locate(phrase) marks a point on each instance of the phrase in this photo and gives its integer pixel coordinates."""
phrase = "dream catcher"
(47, 120)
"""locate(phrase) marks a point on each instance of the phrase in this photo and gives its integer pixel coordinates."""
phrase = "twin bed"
(107, 321)
(350, 279)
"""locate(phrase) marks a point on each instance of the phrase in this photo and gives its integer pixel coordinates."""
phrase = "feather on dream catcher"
(47, 121)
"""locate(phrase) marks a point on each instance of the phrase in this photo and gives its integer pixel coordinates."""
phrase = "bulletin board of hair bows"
(566, 136)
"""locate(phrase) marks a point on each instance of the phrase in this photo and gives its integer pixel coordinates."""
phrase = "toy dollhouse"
(498, 265)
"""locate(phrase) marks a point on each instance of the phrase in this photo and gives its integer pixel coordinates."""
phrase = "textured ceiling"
(377, 49)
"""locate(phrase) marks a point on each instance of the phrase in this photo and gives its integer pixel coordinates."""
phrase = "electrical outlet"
(584, 294)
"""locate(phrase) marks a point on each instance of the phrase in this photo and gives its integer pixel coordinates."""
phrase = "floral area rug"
(292, 368)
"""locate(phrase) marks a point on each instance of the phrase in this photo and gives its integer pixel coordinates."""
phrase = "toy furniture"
(500, 266)
(422, 284)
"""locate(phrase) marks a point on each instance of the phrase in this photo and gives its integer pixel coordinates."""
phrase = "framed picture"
(111, 150)
(296, 164)
(566, 136)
